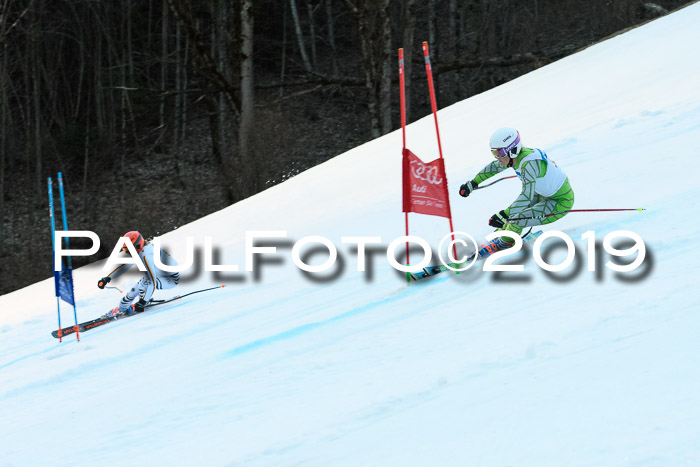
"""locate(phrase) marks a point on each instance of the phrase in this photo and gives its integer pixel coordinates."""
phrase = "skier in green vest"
(546, 195)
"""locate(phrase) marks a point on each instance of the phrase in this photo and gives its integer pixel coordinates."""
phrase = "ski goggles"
(500, 152)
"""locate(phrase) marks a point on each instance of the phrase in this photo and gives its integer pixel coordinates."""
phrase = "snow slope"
(356, 368)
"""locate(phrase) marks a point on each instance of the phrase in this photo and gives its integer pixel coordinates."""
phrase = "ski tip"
(641, 209)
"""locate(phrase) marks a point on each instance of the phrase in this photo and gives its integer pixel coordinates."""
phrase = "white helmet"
(506, 141)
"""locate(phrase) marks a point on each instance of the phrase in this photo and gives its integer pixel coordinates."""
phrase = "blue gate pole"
(70, 265)
(63, 214)
(53, 257)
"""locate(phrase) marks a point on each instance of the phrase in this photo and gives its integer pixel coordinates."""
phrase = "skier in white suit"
(154, 278)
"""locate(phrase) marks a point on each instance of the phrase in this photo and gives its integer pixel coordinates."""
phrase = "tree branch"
(207, 67)
(4, 13)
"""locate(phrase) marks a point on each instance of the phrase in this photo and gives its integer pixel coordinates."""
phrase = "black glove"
(466, 189)
(499, 219)
(140, 305)
(104, 281)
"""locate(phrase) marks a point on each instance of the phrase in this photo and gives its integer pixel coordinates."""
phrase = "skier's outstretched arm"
(121, 269)
(487, 172)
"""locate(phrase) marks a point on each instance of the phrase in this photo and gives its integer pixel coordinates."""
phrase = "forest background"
(159, 112)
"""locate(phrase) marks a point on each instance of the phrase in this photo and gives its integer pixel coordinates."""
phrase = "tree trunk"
(432, 39)
(99, 102)
(149, 31)
(245, 129)
(375, 40)
(216, 147)
(203, 60)
(164, 62)
(490, 22)
(331, 36)
(122, 112)
(4, 122)
(312, 33)
(432, 27)
(86, 159)
(123, 72)
(112, 57)
(385, 87)
(36, 94)
(368, 63)
(218, 52)
(206, 65)
(178, 95)
(409, 23)
(300, 36)
(284, 52)
(462, 44)
(452, 49)
(129, 43)
(183, 130)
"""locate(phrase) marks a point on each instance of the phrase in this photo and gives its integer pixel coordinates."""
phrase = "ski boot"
(131, 311)
(139, 306)
(114, 313)
(495, 245)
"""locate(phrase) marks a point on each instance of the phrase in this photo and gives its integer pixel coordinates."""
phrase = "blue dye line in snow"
(306, 328)
(24, 357)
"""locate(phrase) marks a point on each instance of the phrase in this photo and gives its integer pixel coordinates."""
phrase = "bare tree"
(283, 60)
(35, 59)
(4, 14)
(312, 32)
(245, 129)
(331, 36)
(207, 68)
(4, 116)
(164, 61)
(184, 80)
(409, 23)
(204, 62)
(375, 40)
(300, 36)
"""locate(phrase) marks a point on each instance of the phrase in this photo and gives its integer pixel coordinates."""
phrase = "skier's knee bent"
(154, 278)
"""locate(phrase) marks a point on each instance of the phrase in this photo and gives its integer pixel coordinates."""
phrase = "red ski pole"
(575, 210)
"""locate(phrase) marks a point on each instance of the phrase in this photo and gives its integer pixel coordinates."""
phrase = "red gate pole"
(402, 93)
(433, 104)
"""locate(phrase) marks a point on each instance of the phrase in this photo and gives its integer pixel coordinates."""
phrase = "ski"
(65, 331)
(433, 270)
(102, 320)
(87, 325)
